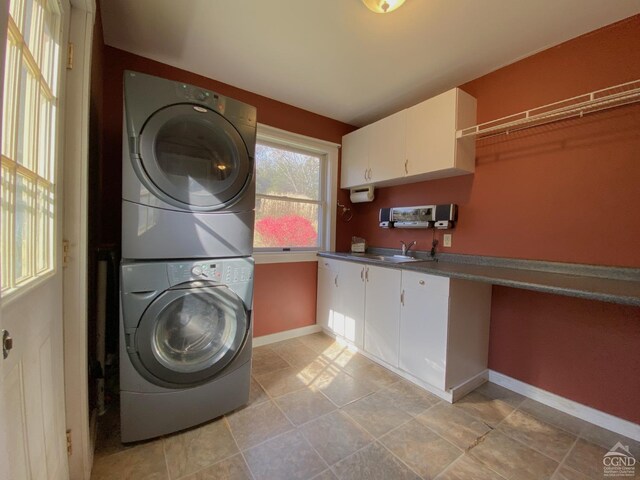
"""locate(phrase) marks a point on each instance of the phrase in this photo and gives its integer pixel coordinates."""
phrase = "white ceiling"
(338, 59)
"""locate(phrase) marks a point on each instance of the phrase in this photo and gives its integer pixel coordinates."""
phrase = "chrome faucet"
(405, 247)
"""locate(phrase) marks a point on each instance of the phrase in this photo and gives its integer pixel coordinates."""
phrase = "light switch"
(446, 240)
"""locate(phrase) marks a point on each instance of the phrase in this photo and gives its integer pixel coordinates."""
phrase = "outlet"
(446, 240)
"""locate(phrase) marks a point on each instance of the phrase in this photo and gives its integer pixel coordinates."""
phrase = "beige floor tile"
(304, 405)
(232, 468)
(554, 417)
(341, 388)
(409, 397)
(311, 372)
(607, 439)
(566, 473)
(350, 361)
(373, 463)
(489, 410)
(586, 458)
(376, 415)
(317, 341)
(143, 462)
(199, 447)
(295, 352)
(492, 390)
(326, 475)
(425, 452)
(256, 393)
(334, 350)
(541, 436)
(335, 436)
(281, 382)
(468, 468)
(376, 375)
(257, 423)
(265, 360)
(455, 425)
(511, 459)
(288, 456)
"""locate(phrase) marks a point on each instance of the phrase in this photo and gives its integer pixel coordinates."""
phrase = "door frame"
(75, 234)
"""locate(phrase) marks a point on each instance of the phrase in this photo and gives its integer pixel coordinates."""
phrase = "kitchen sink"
(388, 258)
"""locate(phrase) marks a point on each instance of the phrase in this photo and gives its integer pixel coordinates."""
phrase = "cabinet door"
(351, 287)
(424, 318)
(431, 134)
(382, 313)
(388, 145)
(355, 158)
(327, 298)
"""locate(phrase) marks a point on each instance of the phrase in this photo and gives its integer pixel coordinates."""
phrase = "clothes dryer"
(185, 343)
(188, 183)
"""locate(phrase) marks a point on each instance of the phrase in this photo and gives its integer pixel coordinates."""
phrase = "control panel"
(221, 271)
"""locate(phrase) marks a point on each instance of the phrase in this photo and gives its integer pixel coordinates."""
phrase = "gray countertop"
(607, 284)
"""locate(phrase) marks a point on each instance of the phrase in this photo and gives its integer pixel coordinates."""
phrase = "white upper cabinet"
(415, 144)
(432, 148)
(387, 148)
(355, 148)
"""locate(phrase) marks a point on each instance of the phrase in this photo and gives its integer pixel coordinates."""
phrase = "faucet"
(405, 247)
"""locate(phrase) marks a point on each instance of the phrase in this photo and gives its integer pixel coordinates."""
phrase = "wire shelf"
(624, 94)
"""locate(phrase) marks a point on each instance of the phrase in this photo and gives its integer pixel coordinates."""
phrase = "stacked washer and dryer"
(188, 200)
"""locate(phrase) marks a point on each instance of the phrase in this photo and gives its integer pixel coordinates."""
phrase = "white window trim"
(329, 150)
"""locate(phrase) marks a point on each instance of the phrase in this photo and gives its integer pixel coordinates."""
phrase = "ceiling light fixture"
(383, 6)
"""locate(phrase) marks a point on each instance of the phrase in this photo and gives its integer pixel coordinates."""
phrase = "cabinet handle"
(402, 298)
(421, 282)
(365, 173)
(335, 280)
(362, 274)
(366, 274)
(406, 166)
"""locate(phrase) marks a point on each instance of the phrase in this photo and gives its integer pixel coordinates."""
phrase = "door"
(355, 158)
(351, 289)
(382, 313)
(190, 333)
(31, 381)
(424, 318)
(193, 158)
(387, 159)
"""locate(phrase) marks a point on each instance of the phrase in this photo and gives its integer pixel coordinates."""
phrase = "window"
(295, 182)
(29, 141)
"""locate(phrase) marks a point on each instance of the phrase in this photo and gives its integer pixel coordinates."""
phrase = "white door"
(388, 146)
(424, 319)
(355, 158)
(351, 284)
(328, 301)
(382, 313)
(32, 383)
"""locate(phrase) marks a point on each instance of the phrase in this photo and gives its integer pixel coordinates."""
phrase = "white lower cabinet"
(382, 313)
(444, 329)
(340, 303)
(434, 328)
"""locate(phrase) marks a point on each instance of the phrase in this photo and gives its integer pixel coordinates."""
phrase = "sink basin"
(388, 258)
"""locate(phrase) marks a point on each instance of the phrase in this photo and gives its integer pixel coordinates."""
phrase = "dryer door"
(193, 158)
(190, 333)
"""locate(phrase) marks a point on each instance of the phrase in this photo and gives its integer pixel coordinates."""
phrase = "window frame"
(328, 152)
(47, 73)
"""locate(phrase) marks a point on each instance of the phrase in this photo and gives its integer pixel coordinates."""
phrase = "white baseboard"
(597, 417)
(286, 335)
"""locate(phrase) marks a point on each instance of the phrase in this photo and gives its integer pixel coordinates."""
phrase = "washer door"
(191, 332)
(193, 158)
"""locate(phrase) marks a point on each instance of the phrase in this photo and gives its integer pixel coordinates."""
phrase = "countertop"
(607, 284)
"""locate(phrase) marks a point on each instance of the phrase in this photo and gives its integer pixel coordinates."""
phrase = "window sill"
(285, 257)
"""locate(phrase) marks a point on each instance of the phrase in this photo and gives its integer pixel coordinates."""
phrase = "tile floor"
(318, 410)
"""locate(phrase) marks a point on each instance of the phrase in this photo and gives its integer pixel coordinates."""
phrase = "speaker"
(385, 218)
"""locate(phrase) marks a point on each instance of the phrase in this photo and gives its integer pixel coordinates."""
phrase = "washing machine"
(185, 343)
(188, 182)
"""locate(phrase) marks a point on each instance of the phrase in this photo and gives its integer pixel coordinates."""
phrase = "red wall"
(564, 192)
(275, 308)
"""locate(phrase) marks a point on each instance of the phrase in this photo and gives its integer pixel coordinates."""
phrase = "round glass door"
(189, 334)
(194, 157)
